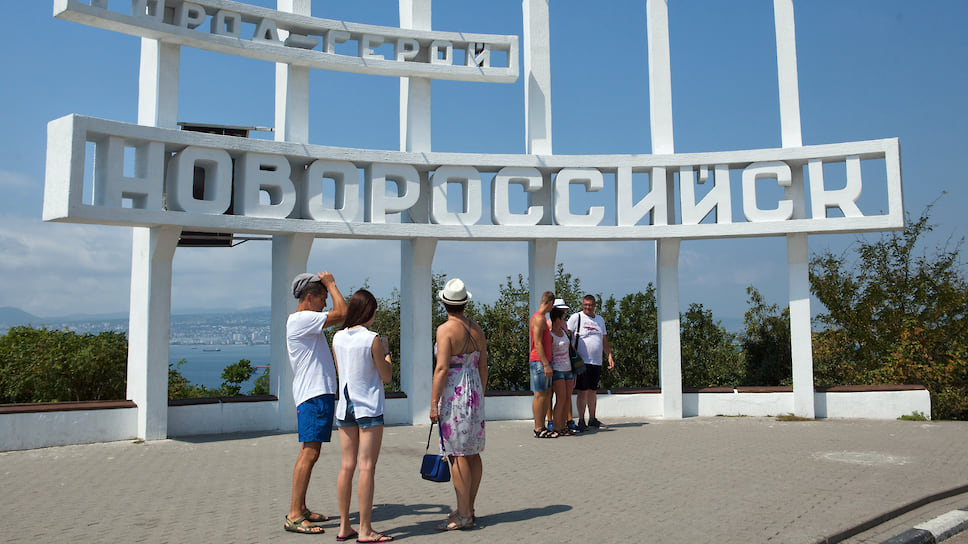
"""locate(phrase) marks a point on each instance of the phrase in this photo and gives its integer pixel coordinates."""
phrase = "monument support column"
(152, 252)
(416, 255)
(537, 105)
(149, 325)
(416, 334)
(798, 259)
(666, 249)
(667, 305)
(541, 269)
(290, 252)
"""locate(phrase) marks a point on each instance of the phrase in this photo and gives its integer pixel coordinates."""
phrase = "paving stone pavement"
(693, 480)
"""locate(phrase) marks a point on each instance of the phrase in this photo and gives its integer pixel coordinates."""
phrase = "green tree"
(505, 323)
(710, 357)
(180, 388)
(387, 323)
(568, 288)
(633, 336)
(42, 365)
(896, 314)
(261, 386)
(234, 375)
(766, 342)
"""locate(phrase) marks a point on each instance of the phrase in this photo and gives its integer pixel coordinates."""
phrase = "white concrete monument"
(158, 200)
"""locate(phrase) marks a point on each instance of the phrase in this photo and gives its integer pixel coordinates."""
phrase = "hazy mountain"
(10, 317)
(15, 316)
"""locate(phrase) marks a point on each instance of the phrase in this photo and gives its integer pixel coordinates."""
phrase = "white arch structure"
(157, 201)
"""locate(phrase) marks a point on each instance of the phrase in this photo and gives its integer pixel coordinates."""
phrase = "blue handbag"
(434, 467)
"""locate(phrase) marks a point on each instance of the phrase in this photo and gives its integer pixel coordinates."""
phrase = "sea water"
(204, 363)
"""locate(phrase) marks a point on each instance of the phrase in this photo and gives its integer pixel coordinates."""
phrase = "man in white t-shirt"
(313, 385)
(592, 343)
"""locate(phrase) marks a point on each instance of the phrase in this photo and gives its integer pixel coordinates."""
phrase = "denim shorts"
(314, 418)
(562, 375)
(539, 382)
(361, 422)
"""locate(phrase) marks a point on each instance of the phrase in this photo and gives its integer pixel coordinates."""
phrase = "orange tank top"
(545, 341)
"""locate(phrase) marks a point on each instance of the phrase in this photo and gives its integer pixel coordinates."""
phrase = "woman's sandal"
(456, 523)
(350, 536)
(296, 526)
(564, 432)
(545, 433)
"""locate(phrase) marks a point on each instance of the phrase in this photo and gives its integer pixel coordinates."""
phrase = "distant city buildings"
(201, 329)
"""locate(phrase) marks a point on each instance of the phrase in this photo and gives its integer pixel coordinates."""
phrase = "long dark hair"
(556, 313)
(360, 309)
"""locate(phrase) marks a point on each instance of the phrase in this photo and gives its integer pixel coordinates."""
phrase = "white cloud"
(53, 269)
(18, 181)
(58, 268)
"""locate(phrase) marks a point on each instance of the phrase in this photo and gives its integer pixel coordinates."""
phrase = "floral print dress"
(461, 408)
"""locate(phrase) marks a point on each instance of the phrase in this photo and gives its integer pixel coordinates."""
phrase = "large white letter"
(189, 15)
(593, 182)
(766, 170)
(448, 49)
(406, 49)
(366, 45)
(347, 197)
(226, 23)
(376, 203)
(628, 214)
(481, 58)
(469, 178)
(845, 199)
(266, 31)
(716, 199)
(149, 9)
(111, 186)
(257, 172)
(216, 168)
(334, 37)
(530, 179)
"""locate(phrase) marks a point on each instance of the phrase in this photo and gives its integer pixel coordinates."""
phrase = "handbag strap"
(429, 435)
(574, 339)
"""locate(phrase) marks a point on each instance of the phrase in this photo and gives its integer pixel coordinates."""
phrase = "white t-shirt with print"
(590, 343)
(313, 371)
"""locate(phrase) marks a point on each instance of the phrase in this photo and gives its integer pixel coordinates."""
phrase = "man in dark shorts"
(313, 385)
(592, 342)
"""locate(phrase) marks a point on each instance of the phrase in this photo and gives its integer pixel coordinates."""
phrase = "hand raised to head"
(326, 278)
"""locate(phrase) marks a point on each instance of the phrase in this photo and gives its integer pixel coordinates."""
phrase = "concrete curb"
(874, 522)
(936, 530)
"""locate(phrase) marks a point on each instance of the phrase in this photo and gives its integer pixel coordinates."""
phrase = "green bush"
(42, 365)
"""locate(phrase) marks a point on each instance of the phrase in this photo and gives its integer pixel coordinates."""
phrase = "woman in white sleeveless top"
(364, 366)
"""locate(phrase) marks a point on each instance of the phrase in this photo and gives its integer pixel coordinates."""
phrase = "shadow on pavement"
(385, 512)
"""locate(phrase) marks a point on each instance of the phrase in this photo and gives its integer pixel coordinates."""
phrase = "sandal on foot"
(380, 538)
(296, 526)
(313, 517)
(545, 433)
(456, 523)
(350, 536)
(564, 432)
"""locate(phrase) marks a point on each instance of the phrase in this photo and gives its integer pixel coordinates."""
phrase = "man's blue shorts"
(314, 418)
(539, 382)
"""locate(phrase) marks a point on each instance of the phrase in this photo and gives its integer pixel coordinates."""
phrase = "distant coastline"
(231, 327)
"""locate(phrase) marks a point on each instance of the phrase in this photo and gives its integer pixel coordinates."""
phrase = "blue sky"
(868, 69)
